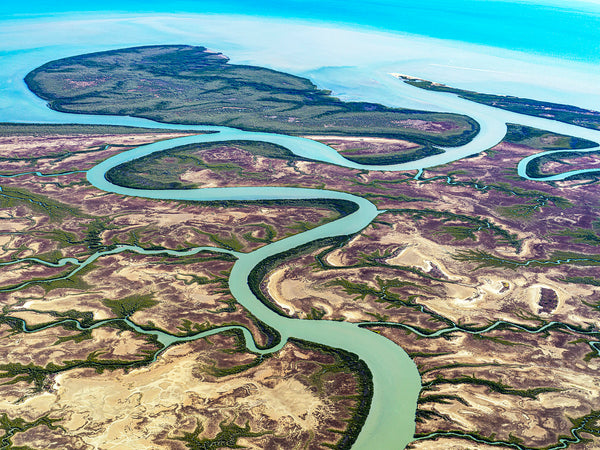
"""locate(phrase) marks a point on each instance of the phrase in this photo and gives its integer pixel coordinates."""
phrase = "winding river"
(391, 420)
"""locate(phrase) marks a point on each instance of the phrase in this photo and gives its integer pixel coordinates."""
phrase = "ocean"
(548, 28)
(529, 49)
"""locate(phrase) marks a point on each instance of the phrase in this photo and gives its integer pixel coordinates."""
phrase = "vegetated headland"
(555, 111)
(192, 85)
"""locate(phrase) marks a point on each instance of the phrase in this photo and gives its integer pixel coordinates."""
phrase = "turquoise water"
(396, 380)
(390, 422)
(354, 61)
(570, 30)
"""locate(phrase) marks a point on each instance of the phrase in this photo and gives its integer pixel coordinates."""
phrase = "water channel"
(391, 420)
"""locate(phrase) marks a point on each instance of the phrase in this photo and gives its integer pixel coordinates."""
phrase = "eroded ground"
(68, 341)
(198, 393)
(487, 280)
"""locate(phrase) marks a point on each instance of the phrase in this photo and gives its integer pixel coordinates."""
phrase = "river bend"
(391, 420)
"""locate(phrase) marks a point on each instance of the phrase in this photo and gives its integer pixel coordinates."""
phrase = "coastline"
(353, 62)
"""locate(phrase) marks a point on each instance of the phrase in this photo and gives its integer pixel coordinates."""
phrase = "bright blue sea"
(538, 49)
(569, 31)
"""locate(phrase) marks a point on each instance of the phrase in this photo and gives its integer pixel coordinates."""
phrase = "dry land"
(59, 328)
(466, 247)
(487, 280)
(490, 282)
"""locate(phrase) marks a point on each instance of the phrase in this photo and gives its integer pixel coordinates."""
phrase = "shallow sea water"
(507, 47)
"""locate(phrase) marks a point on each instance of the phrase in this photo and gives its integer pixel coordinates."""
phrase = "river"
(391, 420)
(396, 380)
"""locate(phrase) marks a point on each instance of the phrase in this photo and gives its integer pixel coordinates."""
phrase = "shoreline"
(354, 70)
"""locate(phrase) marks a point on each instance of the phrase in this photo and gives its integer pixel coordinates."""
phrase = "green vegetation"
(66, 279)
(349, 363)
(458, 232)
(584, 424)
(590, 423)
(272, 335)
(230, 242)
(316, 313)
(592, 281)
(191, 278)
(233, 370)
(373, 259)
(455, 366)
(162, 170)
(523, 211)
(186, 84)
(382, 293)
(580, 236)
(486, 259)
(300, 226)
(45, 130)
(214, 370)
(535, 167)
(541, 197)
(190, 85)
(399, 157)
(596, 305)
(123, 309)
(188, 328)
(31, 373)
(497, 340)
(93, 233)
(11, 197)
(32, 129)
(71, 281)
(461, 232)
(79, 337)
(260, 271)
(203, 256)
(127, 306)
(61, 237)
(440, 398)
(343, 362)
(422, 415)
(226, 438)
(495, 386)
(20, 425)
(383, 185)
(595, 353)
(536, 199)
(578, 259)
(269, 233)
(223, 372)
(544, 140)
(85, 318)
(555, 111)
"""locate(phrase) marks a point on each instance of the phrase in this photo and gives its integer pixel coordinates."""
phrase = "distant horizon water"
(335, 46)
(545, 27)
